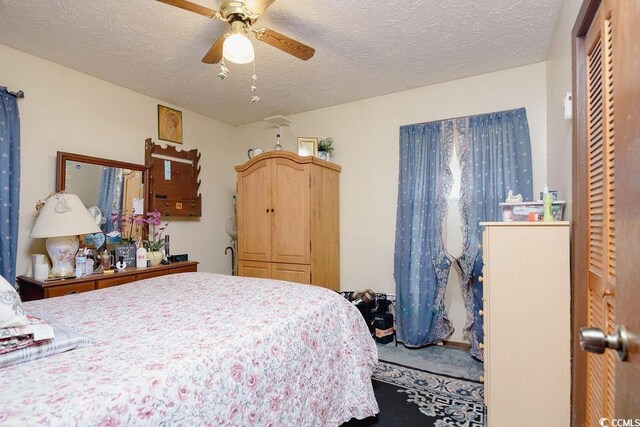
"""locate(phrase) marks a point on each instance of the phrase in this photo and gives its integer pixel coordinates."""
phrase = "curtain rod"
(18, 94)
(464, 117)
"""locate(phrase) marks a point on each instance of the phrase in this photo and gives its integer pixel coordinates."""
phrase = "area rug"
(412, 397)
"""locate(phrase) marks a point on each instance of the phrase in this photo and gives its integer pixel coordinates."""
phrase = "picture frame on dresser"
(307, 146)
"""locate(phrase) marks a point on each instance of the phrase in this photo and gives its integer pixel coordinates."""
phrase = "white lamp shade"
(63, 214)
(237, 48)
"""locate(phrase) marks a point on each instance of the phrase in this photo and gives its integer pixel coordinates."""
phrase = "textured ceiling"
(364, 48)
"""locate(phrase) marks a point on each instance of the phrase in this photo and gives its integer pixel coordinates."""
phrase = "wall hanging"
(173, 180)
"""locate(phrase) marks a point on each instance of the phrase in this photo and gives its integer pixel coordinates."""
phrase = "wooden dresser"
(288, 219)
(527, 331)
(32, 289)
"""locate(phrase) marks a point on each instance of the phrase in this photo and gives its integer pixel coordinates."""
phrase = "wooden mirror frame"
(61, 161)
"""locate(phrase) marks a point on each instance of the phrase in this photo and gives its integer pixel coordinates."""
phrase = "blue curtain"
(110, 197)
(9, 183)
(494, 151)
(421, 268)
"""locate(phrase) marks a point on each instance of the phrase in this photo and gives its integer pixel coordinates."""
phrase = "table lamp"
(60, 220)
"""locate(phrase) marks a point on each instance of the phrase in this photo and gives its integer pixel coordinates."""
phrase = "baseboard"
(458, 345)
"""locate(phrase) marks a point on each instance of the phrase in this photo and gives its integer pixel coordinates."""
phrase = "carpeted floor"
(434, 358)
(412, 397)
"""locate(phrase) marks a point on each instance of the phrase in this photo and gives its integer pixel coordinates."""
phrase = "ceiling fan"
(234, 45)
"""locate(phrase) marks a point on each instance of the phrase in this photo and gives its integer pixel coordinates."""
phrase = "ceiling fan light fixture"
(237, 48)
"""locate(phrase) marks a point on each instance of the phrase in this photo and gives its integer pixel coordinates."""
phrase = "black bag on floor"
(369, 304)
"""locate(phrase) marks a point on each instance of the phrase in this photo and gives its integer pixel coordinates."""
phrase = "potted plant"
(325, 148)
(155, 242)
(130, 226)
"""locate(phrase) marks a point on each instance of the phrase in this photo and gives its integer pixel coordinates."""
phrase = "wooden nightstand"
(32, 289)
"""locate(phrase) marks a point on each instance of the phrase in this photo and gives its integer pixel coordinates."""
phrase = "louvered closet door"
(601, 259)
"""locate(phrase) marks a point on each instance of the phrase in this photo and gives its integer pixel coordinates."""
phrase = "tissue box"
(521, 211)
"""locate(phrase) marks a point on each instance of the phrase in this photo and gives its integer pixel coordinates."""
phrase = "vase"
(154, 257)
(324, 155)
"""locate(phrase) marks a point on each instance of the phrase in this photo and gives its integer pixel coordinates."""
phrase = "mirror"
(108, 188)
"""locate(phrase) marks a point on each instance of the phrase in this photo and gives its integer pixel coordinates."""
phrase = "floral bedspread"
(199, 349)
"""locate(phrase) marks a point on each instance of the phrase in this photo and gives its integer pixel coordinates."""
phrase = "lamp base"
(62, 251)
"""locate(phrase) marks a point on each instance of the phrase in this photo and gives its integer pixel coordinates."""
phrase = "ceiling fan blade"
(214, 55)
(191, 7)
(258, 6)
(284, 43)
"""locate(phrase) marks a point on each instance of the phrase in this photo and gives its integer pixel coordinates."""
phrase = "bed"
(199, 349)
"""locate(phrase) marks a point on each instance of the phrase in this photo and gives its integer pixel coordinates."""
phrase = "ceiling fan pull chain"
(224, 71)
(254, 88)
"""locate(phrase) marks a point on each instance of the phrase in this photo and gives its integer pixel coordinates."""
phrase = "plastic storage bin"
(521, 211)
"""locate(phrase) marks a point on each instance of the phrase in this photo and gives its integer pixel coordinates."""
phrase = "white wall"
(366, 138)
(558, 83)
(65, 110)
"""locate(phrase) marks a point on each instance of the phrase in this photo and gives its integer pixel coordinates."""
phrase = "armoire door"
(254, 206)
(607, 205)
(290, 232)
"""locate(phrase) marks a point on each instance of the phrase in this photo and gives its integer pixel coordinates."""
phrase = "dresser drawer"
(58, 291)
(114, 281)
(184, 269)
(150, 274)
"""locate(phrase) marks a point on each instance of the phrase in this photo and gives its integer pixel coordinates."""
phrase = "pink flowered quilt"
(199, 349)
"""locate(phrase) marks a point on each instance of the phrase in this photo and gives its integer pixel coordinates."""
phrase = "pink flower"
(275, 404)
(154, 366)
(145, 413)
(236, 371)
(234, 411)
(109, 421)
(252, 381)
(182, 393)
(60, 370)
(120, 409)
(6, 414)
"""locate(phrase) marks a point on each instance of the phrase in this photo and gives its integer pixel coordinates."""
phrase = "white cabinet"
(527, 340)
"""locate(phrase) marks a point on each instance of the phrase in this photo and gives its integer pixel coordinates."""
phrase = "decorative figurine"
(513, 199)
(121, 265)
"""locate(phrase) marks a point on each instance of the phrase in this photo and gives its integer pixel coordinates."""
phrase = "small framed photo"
(169, 124)
(307, 146)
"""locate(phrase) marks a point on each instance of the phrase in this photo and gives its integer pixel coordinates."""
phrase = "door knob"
(594, 340)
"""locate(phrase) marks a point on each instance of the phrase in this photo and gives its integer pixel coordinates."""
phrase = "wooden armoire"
(288, 219)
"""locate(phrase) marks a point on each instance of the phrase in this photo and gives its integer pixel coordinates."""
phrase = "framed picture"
(169, 124)
(307, 146)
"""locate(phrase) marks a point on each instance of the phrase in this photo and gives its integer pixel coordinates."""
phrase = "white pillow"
(11, 311)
